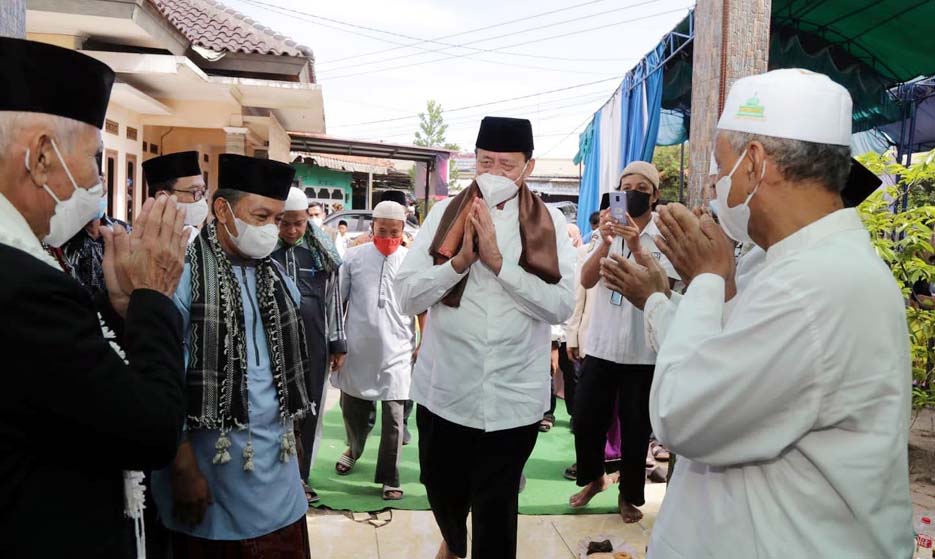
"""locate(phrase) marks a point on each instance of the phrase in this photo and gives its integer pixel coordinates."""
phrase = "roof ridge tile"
(216, 26)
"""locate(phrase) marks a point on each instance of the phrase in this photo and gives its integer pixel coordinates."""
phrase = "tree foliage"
(431, 133)
(432, 127)
(903, 240)
(668, 159)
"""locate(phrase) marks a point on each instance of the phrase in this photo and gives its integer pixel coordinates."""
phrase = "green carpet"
(546, 492)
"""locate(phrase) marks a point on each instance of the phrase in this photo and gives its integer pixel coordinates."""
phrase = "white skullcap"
(389, 210)
(795, 104)
(297, 200)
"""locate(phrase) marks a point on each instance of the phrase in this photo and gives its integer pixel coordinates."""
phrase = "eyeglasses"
(197, 193)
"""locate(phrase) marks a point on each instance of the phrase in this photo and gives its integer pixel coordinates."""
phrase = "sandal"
(571, 472)
(392, 493)
(345, 465)
(660, 452)
(310, 495)
(547, 422)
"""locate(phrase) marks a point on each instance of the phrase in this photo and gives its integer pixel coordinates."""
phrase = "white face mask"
(253, 241)
(75, 212)
(195, 212)
(735, 221)
(497, 189)
(318, 221)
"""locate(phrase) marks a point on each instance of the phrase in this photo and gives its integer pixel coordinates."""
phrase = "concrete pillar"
(236, 140)
(13, 18)
(369, 192)
(732, 35)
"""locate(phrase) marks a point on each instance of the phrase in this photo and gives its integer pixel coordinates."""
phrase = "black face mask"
(637, 203)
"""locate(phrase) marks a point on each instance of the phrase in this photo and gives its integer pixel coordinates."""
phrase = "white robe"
(485, 364)
(380, 338)
(790, 417)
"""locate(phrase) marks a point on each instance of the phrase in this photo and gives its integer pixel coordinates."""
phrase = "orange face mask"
(387, 245)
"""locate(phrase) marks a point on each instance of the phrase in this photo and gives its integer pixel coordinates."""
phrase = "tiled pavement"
(414, 535)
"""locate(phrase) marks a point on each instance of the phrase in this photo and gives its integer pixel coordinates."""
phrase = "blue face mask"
(102, 208)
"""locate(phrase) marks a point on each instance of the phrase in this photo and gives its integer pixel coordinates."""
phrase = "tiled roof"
(212, 25)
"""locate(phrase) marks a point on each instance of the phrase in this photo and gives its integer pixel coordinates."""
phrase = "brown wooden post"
(731, 41)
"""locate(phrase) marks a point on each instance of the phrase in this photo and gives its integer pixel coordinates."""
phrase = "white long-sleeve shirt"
(380, 338)
(659, 310)
(485, 364)
(616, 332)
(576, 328)
(792, 416)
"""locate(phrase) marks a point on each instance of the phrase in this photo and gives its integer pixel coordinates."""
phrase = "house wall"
(312, 176)
(279, 142)
(123, 146)
(197, 114)
(65, 41)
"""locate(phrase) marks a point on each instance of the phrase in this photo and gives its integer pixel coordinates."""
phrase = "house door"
(110, 178)
(132, 188)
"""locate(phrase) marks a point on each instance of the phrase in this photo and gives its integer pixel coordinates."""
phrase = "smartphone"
(618, 210)
(618, 206)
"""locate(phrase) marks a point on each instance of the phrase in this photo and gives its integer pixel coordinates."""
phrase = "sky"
(379, 61)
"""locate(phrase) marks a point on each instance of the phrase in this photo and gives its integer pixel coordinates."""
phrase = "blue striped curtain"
(589, 193)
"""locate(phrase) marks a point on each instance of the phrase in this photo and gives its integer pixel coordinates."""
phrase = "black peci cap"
(505, 135)
(397, 196)
(860, 184)
(41, 78)
(255, 176)
(172, 166)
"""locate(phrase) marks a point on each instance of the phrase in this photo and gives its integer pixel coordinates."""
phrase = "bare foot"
(628, 512)
(444, 552)
(613, 477)
(584, 496)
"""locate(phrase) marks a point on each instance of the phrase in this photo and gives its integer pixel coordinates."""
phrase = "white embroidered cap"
(793, 103)
(389, 210)
(297, 200)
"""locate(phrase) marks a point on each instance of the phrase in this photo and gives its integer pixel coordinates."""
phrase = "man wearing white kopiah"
(380, 348)
(792, 413)
(495, 268)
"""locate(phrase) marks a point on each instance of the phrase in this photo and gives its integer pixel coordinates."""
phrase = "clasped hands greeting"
(479, 242)
(691, 240)
(152, 256)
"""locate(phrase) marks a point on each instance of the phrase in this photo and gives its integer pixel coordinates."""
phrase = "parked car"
(359, 222)
(570, 209)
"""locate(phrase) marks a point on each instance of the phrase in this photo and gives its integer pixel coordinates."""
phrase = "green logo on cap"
(752, 109)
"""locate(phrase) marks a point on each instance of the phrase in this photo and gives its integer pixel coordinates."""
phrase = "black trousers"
(570, 378)
(466, 469)
(600, 384)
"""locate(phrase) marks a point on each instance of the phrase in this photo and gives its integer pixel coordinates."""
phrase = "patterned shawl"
(324, 253)
(217, 368)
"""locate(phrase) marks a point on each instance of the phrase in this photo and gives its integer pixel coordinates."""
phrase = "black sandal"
(310, 495)
(548, 421)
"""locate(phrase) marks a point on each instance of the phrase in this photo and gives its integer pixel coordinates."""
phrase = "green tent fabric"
(873, 106)
(547, 492)
(894, 37)
(869, 46)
